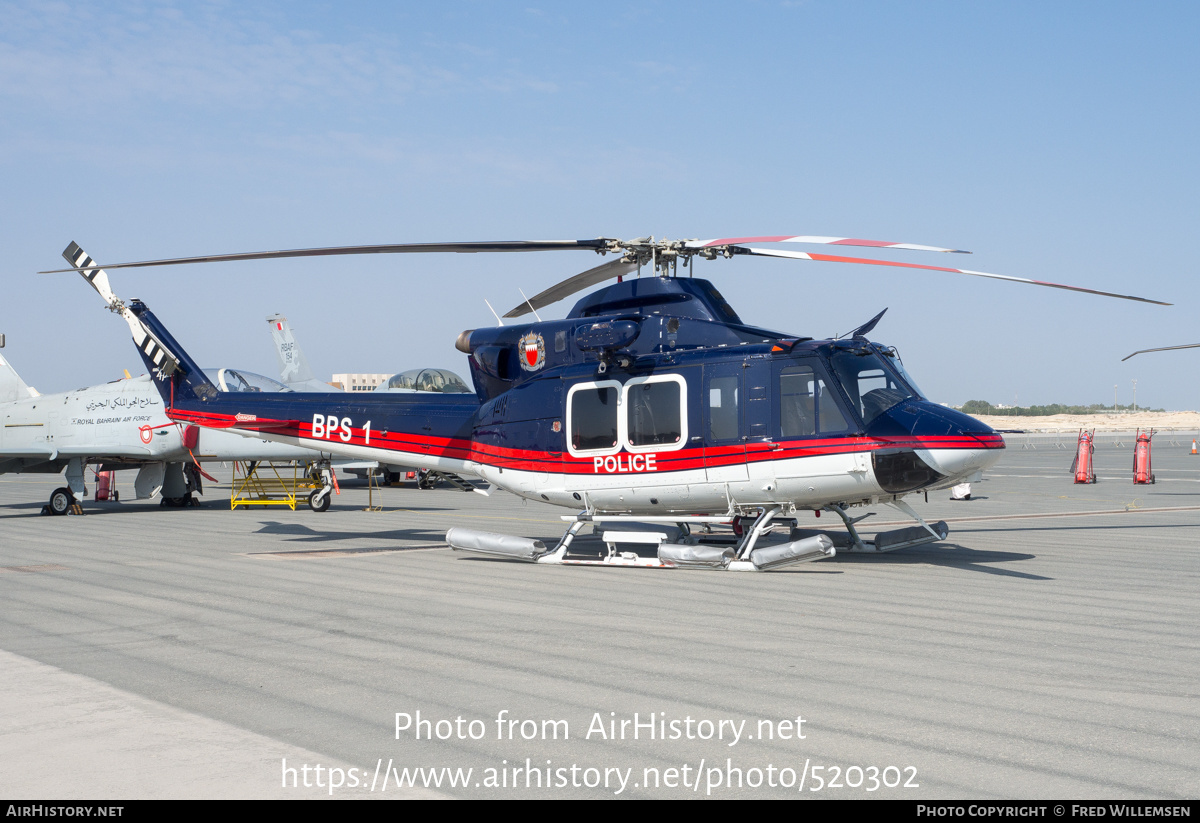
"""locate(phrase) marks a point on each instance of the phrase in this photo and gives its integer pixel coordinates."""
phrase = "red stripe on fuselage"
(693, 457)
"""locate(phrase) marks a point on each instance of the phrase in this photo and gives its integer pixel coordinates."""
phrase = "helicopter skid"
(628, 559)
(907, 538)
(685, 555)
(654, 563)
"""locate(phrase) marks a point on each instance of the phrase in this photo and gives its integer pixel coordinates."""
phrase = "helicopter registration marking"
(618, 463)
(325, 428)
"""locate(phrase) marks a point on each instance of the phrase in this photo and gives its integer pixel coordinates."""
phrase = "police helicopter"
(685, 436)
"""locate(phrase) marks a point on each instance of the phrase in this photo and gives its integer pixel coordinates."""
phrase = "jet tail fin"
(293, 365)
(12, 387)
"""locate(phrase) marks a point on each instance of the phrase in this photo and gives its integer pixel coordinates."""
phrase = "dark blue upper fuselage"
(737, 384)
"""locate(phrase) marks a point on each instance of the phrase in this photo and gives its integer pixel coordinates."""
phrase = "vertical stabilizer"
(12, 387)
(293, 365)
(177, 376)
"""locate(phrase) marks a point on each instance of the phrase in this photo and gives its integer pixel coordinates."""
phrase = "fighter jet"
(293, 365)
(296, 373)
(120, 425)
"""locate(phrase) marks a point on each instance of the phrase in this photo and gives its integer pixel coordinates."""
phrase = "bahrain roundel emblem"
(532, 349)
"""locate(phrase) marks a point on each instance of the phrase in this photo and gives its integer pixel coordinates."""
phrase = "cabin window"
(806, 405)
(592, 415)
(655, 412)
(646, 414)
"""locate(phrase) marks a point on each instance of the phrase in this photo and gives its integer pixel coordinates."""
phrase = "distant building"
(359, 382)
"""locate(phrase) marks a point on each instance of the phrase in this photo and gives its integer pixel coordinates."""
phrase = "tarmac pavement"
(1047, 649)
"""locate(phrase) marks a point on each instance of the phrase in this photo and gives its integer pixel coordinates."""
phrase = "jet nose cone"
(953, 444)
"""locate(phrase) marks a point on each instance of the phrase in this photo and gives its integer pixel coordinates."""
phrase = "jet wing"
(106, 450)
(28, 454)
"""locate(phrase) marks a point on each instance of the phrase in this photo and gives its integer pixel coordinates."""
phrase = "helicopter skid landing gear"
(675, 547)
(897, 538)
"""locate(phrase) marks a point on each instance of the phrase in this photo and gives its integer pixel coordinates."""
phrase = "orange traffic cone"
(1194, 446)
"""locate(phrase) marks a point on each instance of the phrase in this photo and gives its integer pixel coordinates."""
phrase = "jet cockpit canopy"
(243, 381)
(426, 380)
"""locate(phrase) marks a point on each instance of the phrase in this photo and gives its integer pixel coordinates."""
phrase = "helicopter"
(685, 436)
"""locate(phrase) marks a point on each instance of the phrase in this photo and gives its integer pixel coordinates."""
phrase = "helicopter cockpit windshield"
(426, 380)
(243, 381)
(871, 380)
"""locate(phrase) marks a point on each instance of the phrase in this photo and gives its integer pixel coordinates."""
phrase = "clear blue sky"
(1055, 140)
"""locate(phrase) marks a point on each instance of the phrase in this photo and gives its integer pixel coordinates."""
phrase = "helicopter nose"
(954, 445)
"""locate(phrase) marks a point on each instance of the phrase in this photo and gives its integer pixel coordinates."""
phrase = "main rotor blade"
(819, 240)
(1164, 348)
(829, 258)
(581, 281)
(399, 248)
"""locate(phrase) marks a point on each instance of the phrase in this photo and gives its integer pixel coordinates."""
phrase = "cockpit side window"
(230, 380)
(428, 380)
(807, 406)
(872, 387)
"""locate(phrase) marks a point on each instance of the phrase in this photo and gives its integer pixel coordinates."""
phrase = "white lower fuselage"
(641, 484)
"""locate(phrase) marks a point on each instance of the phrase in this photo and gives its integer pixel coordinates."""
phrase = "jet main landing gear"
(61, 501)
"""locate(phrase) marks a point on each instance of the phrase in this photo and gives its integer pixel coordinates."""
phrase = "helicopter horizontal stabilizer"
(249, 422)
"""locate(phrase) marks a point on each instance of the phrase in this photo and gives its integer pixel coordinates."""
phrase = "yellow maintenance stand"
(273, 484)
